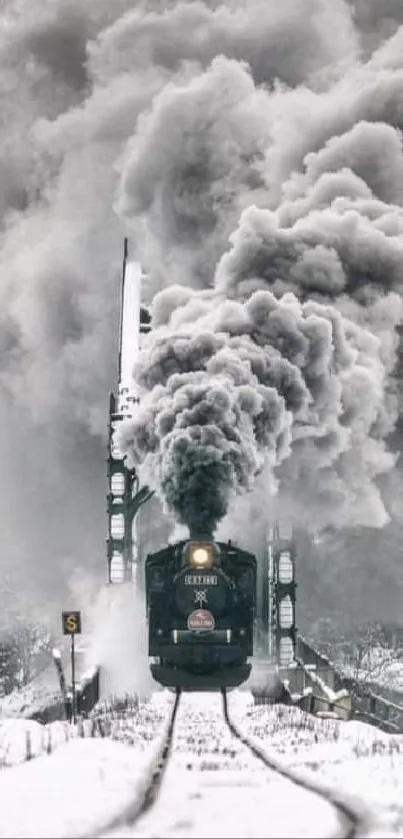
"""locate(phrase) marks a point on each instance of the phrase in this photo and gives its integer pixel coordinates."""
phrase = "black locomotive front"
(201, 606)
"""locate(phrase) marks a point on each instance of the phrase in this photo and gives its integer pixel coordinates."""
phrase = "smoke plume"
(255, 161)
(230, 386)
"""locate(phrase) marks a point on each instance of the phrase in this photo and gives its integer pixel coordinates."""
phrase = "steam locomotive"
(201, 598)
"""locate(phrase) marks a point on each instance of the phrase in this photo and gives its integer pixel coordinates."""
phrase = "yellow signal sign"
(71, 623)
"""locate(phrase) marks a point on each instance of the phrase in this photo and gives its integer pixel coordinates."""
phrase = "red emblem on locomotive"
(201, 620)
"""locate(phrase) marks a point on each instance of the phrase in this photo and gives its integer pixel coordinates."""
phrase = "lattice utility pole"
(125, 496)
(282, 594)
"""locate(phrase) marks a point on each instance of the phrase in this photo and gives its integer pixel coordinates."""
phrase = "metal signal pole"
(73, 681)
(71, 623)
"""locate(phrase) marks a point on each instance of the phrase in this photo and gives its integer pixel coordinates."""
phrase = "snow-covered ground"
(355, 759)
(213, 785)
(84, 782)
(19, 738)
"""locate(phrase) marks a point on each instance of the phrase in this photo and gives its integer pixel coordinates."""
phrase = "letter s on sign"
(72, 623)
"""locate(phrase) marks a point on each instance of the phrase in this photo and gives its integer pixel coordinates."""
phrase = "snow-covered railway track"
(145, 796)
(350, 819)
(213, 781)
(159, 768)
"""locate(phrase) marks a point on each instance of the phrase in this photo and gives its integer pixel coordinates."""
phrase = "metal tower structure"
(282, 593)
(276, 596)
(125, 496)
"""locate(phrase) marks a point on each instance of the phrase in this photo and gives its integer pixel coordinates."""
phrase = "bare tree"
(371, 654)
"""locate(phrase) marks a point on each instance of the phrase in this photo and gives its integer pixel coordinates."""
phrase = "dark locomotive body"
(200, 614)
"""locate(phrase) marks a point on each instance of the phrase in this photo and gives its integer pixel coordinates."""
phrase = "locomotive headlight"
(200, 555)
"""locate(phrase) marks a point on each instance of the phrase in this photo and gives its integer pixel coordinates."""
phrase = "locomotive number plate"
(201, 580)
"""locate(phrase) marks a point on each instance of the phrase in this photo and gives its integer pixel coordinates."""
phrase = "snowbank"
(73, 792)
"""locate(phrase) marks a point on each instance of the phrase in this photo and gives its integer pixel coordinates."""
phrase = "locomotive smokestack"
(201, 536)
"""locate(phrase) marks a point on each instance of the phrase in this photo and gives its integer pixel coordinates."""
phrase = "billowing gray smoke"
(314, 190)
(182, 124)
(230, 387)
(376, 20)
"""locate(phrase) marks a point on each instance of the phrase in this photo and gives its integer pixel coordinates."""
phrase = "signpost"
(71, 622)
